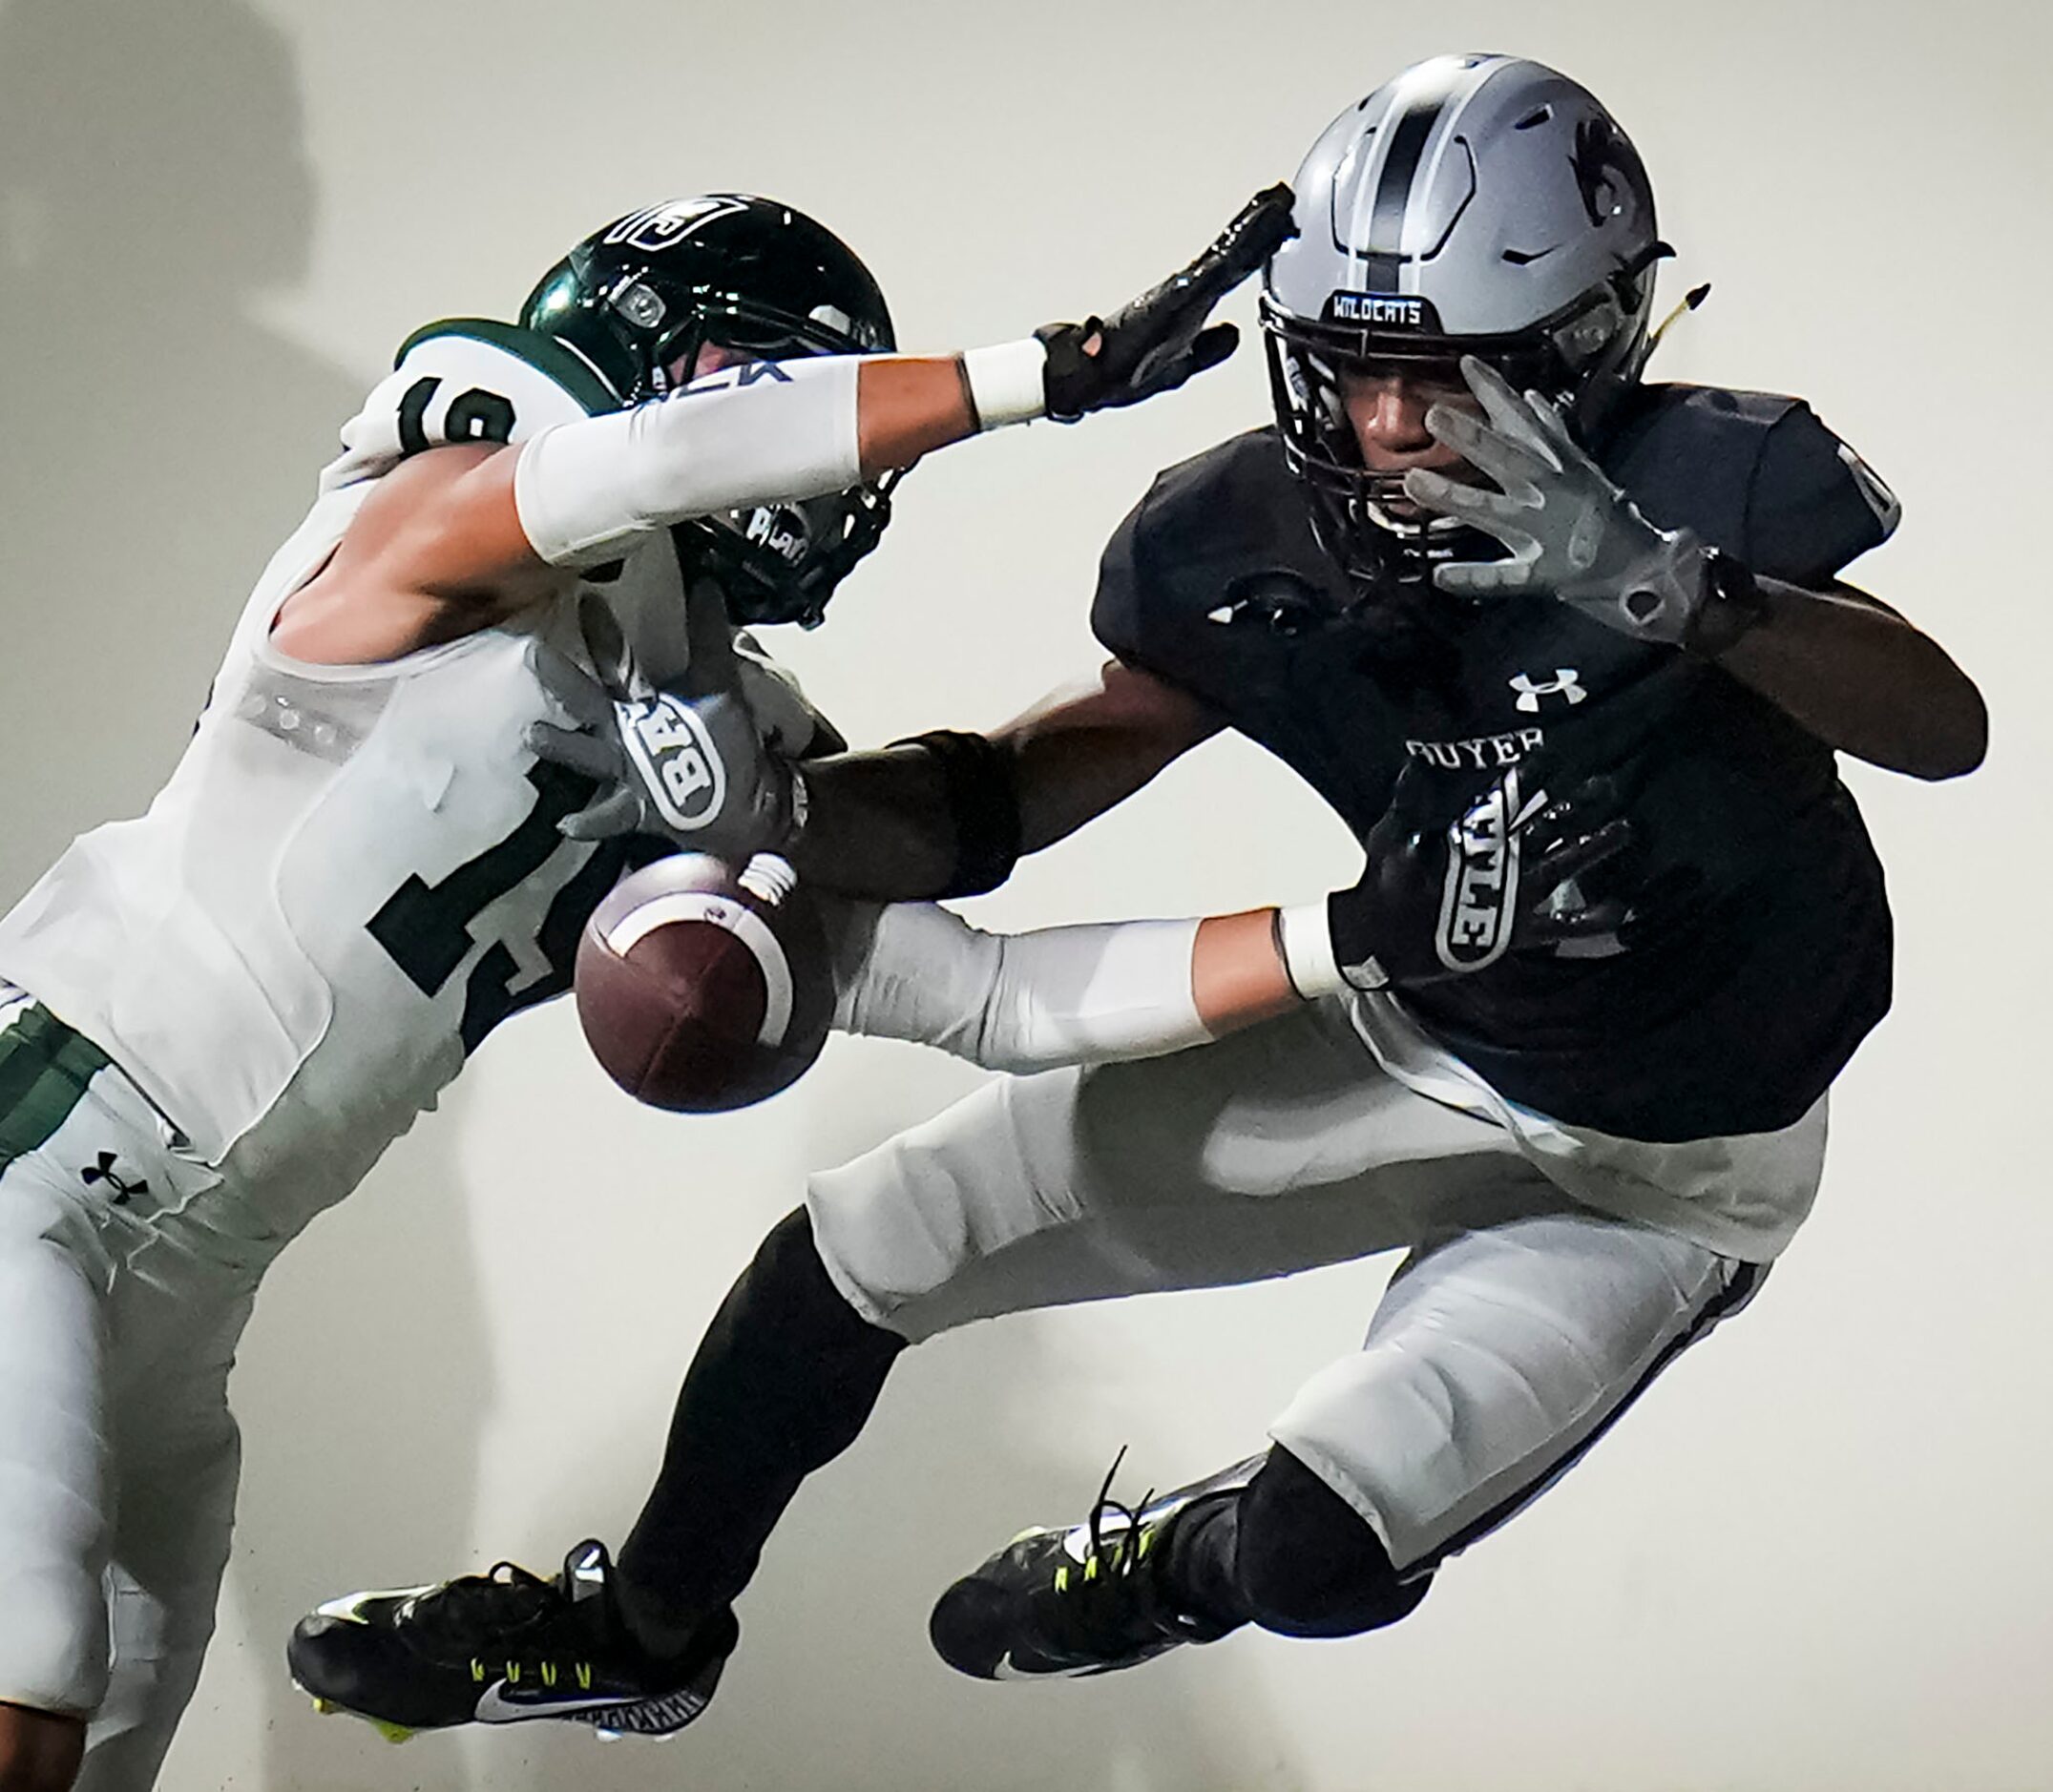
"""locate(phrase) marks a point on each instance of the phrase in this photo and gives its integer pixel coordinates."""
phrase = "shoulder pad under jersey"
(464, 379)
(1755, 473)
(1224, 528)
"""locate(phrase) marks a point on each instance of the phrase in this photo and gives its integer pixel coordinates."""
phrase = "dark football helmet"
(640, 298)
(1474, 204)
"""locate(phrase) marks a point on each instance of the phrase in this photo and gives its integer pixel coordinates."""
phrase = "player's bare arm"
(441, 549)
(892, 825)
(1848, 669)
(39, 1750)
(1861, 679)
(1140, 989)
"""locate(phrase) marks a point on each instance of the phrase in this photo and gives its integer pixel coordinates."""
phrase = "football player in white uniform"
(219, 1014)
(1570, 654)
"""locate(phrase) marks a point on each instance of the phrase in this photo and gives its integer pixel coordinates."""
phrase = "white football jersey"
(355, 872)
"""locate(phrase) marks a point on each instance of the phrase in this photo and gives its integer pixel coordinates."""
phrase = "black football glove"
(1438, 901)
(1155, 343)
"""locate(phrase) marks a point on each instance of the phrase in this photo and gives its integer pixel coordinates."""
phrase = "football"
(702, 987)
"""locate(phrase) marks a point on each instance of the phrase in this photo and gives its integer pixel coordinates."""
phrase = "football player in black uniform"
(1570, 654)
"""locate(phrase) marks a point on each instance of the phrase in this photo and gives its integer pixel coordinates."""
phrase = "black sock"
(783, 1382)
(1286, 1553)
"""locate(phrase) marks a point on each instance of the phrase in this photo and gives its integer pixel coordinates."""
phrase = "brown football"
(703, 987)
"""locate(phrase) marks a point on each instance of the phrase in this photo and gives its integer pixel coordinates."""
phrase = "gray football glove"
(691, 763)
(1572, 533)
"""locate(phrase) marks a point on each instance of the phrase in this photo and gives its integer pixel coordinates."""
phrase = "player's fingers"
(1554, 425)
(1212, 346)
(589, 755)
(617, 813)
(1513, 467)
(1506, 410)
(1582, 808)
(709, 637)
(1504, 516)
(569, 686)
(1207, 349)
(780, 714)
(1482, 579)
(1258, 230)
(1581, 852)
(611, 658)
(1560, 926)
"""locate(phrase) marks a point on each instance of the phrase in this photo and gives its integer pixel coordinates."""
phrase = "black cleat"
(506, 1647)
(1060, 1604)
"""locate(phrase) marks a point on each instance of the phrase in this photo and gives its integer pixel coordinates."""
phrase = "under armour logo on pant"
(104, 1172)
(1563, 683)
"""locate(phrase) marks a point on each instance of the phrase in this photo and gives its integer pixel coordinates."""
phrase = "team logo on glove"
(681, 766)
(1479, 899)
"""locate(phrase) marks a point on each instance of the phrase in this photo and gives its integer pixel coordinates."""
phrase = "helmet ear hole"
(1582, 338)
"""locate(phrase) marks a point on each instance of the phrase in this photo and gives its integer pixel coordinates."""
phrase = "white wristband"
(744, 436)
(1305, 940)
(1006, 384)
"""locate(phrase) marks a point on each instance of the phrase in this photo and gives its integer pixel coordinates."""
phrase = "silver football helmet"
(1475, 205)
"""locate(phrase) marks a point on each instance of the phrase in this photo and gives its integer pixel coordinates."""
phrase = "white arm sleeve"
(1024, 1001)
(743, 436)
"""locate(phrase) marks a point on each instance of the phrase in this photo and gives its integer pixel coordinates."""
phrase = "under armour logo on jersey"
(1563, 683)
(1480, 897)
(119, 1188)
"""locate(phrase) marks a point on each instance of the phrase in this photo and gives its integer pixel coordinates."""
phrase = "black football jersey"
(1759, 954)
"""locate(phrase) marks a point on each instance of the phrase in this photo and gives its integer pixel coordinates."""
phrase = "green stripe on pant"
(44, 1069)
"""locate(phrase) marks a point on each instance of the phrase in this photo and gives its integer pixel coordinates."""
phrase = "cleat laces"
(1119, 1554)
(457, 1614)
(1104, 1605)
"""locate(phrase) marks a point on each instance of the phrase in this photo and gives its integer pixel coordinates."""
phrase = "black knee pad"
(1305, 1564)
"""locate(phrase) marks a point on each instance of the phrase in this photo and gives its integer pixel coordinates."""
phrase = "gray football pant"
(1519, 1324)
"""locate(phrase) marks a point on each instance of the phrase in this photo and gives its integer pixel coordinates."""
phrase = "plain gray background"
(1815, 1557)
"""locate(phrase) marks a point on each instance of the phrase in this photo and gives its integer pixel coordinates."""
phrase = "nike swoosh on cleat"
(348, 1605)
(493, 1708)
